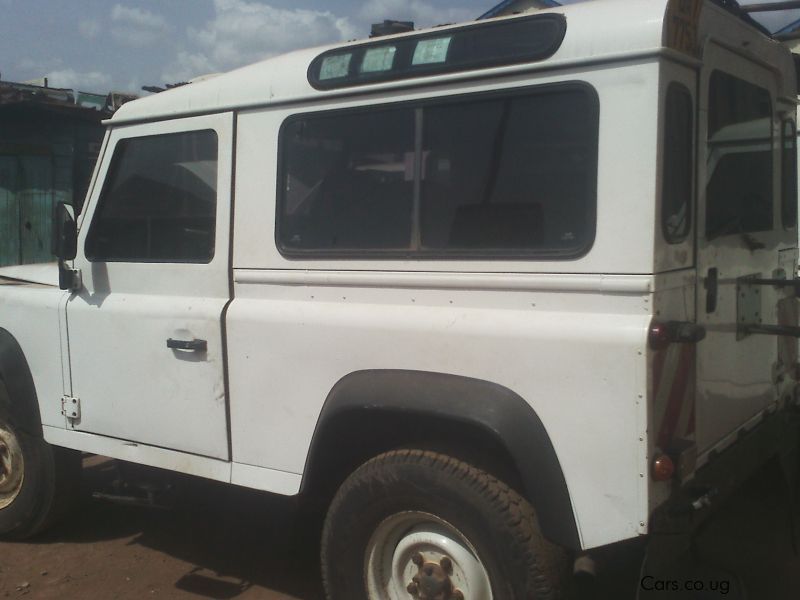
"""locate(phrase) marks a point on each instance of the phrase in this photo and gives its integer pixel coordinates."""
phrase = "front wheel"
(38, 482)
(417, 524)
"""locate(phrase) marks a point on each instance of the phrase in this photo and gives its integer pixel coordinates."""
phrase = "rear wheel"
(417, 524)
(38, 482)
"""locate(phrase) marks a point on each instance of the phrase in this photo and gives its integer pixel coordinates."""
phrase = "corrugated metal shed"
(48, 147)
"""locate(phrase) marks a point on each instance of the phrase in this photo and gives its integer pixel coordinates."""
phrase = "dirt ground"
(222, 542)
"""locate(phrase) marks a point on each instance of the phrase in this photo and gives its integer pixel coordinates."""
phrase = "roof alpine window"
(510, 42)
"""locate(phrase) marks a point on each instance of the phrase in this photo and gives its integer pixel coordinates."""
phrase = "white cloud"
(35, 67)
(89, 28)
(92, 81)
(244, 32)
(137, 17)
(137, 27)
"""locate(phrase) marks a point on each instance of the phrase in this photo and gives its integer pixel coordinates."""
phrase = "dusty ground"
(223, 542)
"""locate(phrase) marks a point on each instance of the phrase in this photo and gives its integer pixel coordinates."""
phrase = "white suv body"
(267, 327)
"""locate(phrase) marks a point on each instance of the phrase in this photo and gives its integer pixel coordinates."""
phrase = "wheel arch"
(23, 405)
(370, 412)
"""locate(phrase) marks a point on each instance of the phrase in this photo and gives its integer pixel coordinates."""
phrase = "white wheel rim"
(11, 467)
(392, 563)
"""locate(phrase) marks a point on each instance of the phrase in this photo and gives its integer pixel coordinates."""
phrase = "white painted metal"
(257, 478)
(735, 377)
(598, 33)
(628, 119)
(43, 274)
(568, 337)
(30, 314)
(181, 462)
(390, 566)
(125, 313)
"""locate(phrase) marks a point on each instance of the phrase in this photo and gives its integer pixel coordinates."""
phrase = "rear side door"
(741, 236)
(145, 333)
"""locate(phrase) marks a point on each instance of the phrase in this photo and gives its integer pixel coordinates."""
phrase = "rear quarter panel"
(577, 359)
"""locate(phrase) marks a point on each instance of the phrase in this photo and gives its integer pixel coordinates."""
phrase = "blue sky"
(99, 45)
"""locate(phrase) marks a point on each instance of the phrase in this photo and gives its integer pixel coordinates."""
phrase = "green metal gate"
(26, 209)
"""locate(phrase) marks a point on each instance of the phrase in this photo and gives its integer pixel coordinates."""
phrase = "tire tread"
(535, 556)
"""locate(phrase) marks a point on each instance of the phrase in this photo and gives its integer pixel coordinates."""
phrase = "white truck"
(487, 296)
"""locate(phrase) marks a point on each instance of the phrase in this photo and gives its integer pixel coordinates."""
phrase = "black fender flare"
(496, 410)
(23, 405)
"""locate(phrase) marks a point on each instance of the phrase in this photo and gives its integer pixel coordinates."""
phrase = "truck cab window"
(676, 202)
(159, 201)
(739, 192)
(789, 175)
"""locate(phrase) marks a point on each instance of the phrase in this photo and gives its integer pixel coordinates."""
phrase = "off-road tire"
(50, 485)
(497, 522)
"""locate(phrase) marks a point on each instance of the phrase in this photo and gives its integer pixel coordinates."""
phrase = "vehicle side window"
(159, 201)
(676, 196)
(739, 193)
(789, 192)
(349, 181)
(507, 176)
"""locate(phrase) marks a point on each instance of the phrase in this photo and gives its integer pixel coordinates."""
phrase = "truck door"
(145, 329)
(740, 235)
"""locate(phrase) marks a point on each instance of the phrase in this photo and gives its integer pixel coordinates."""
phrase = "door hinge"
(71, 408)
(69, 279)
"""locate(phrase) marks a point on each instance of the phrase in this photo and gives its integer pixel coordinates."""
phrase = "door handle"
(191, 345)
(712, 289)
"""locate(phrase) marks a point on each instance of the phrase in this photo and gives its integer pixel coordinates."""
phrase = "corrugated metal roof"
(511, 6)
(790, 28)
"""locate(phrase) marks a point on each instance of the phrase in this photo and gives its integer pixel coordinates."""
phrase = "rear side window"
(483, 177)
(676, 212)
(789, 192)
(159, 201)
(739, 191)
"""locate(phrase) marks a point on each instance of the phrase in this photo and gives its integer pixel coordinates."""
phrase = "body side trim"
(621, 284)
(268, 480)
(162, 458)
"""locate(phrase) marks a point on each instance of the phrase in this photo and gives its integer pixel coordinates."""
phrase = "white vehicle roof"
(601, 30)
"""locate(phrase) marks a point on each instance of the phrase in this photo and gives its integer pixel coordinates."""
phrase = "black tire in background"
(50, 484)
(488, 516)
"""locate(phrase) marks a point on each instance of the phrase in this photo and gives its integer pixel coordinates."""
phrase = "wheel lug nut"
(447, 565)
(417, 559)
(413, 589)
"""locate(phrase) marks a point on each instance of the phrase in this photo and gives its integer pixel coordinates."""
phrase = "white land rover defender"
(491, 295)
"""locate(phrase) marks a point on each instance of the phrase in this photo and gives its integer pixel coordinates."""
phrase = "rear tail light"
(664, 333)
(663, 468)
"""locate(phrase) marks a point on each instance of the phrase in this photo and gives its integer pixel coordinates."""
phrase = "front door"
(145, 332)
(740, 235)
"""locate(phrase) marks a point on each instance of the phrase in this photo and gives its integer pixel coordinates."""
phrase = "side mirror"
(65, 232)
(65, 245)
